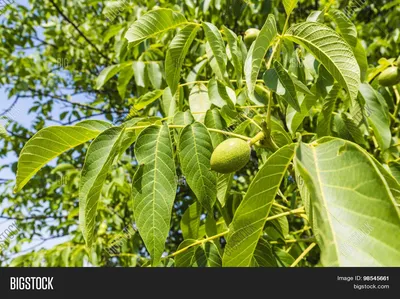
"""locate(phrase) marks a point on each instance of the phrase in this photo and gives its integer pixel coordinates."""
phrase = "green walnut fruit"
(250, 36)
(230, 155)
(390, 76)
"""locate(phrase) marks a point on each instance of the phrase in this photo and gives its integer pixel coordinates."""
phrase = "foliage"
(170, 81)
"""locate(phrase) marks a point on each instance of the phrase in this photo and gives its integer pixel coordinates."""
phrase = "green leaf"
(224, 183)
(213, 256)
(155, 73)
(139, 73)
(394, 167)
(277, 228)
(257, 51)
(221, 95)
(346, 28)
(194, 256)
(279, 134)
(250, 217)
(284, 258)
(3, 132)
(154, 23)
(263, 255)
(99, 158)
(331, 50)
(353, 210)
(190, 221)
(169, 103)
(361, 56)
(194, 73)
(154, 188)
(176, 55)
(214, 120)
(390, 178)
(147, 99)
(237, 56)
(325, 117)
(278, 80)
(217, 47)
(124, 78)
(300, 86)
(109, 72)
(49, 143)
(199, 102)
(293, 118)
(354, 130)
(316, 16)
(289, 5)
(379, 118)
(183, 118)
(195, 148)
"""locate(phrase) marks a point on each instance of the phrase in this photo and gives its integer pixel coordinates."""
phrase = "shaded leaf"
(325, 118)
(195, 150)
(99, 158)
(237, 56)
(154, 188)
(248, 222)
(379, 116)
(190, 221)
(278, 80)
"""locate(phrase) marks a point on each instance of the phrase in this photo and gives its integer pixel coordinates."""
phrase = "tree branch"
(77, 29)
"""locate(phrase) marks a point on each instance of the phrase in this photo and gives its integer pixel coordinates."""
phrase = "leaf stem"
(275, 48)
(292, 212)
(301, 256)
(283, 196)
(209, 129)
(396, 111)
(229, 134)
(284, 242)
(207, 81)
(198, 242)
(280, 206)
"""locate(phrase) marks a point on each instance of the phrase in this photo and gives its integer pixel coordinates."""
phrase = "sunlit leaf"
(257, 51)
(154, 23)
(353, 210)
(51, 142)
(176, 55)
(331, 50)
